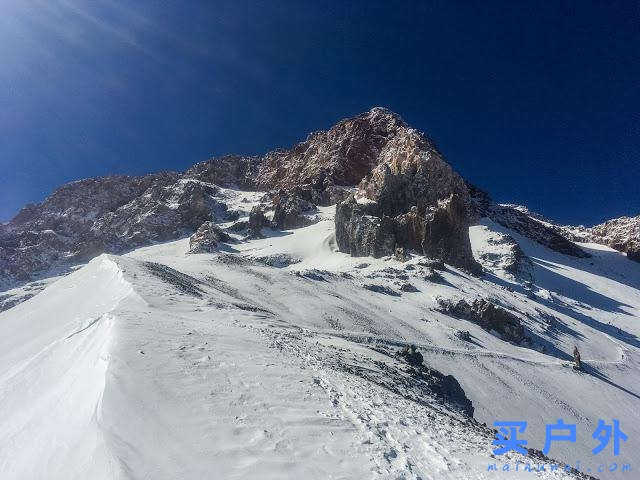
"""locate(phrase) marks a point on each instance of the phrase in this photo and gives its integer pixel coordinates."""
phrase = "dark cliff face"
(440, 232)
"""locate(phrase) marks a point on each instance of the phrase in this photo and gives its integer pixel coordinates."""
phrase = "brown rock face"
(622, 234)
(342, 155)
(325, 161)
(411, 173)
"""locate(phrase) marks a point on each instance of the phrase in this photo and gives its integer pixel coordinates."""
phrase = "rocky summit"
(393, 190)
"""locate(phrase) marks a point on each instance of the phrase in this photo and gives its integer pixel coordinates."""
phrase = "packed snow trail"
(161, 364)
(166, 384)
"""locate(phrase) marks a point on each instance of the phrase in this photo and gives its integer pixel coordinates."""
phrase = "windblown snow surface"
(271, 360)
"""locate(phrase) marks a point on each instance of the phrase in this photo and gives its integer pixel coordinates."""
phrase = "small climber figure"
(576, 359)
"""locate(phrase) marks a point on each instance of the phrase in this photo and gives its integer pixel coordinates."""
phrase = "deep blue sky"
(537, 102)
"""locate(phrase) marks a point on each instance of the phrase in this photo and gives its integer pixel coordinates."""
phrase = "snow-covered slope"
(276, 358)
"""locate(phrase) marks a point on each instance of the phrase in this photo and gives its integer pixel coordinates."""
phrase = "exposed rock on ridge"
(621, 234)
(488, 316)
(111, 214)
(207, 238)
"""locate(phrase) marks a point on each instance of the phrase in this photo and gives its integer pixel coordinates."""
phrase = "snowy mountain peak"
(346, 308)
(375, 155)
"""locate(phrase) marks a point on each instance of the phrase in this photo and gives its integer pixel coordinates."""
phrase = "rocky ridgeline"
(321, 166)
(621, 234)
(520, 220)
(110, 214)
(392, 186)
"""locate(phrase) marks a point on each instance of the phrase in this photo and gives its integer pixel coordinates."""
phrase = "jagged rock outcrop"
(207, 238)
(622, 234)
(411, 173)
(412, 355)
(491, 317)
(445, 234)
(160, 214)
(361, 233)
(443, 386)
(340, 156)
(290, 208)
(234, 171)
(448, 388)
(326, 162)
(257, 220)
(411, 199)
(111, 214)
(488, 316)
